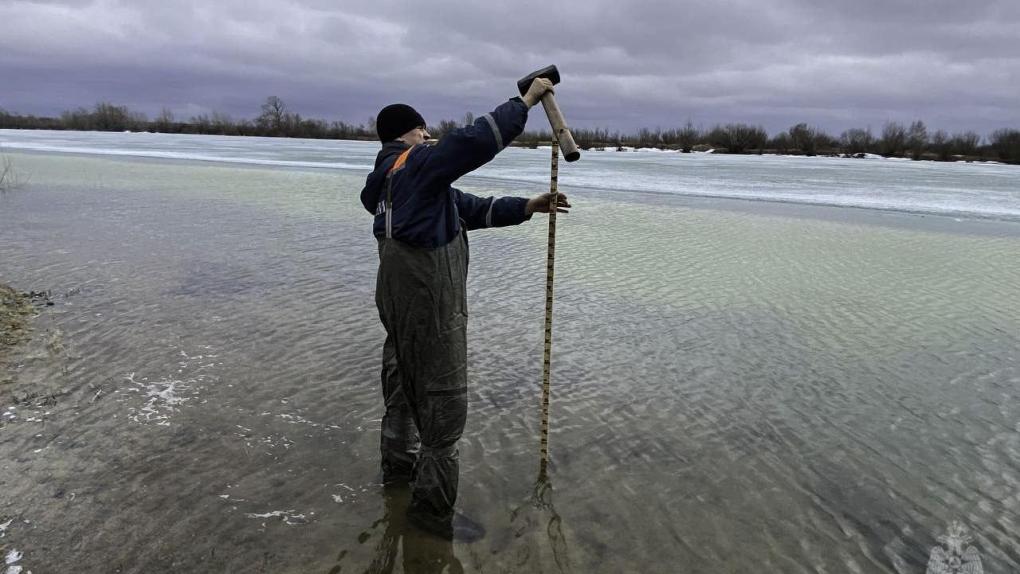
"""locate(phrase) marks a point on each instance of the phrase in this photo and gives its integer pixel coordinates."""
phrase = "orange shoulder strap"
(401, 160)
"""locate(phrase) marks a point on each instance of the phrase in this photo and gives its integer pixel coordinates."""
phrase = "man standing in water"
(421, 223)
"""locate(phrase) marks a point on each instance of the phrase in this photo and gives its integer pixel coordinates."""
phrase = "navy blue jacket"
(427, 211)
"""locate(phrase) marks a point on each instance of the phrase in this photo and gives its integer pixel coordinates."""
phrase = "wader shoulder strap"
(397, 166)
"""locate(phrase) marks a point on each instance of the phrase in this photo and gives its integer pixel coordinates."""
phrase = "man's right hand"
(543, 204)
(536, 90)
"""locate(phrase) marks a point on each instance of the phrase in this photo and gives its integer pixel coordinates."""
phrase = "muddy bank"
(15, 311)
(24, 342)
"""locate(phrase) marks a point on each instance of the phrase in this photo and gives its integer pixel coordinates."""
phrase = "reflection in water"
(538, 514)
(420, 552)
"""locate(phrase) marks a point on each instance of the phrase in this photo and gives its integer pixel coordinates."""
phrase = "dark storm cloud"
(833, 64)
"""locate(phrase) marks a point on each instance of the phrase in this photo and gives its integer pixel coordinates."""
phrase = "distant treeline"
(274, 120)
(895, 140)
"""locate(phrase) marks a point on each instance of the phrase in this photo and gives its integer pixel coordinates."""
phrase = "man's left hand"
(543, 203)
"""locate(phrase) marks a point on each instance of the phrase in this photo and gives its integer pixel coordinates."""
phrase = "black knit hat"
(396, 120)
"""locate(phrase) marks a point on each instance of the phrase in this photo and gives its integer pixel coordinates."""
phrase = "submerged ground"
(738, 386)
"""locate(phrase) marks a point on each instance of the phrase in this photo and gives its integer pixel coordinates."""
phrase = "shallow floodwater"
(737, 386)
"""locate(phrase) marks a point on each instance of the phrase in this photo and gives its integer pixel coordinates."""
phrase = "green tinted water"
(736, 387)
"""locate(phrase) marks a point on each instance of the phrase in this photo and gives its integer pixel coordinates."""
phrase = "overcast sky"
(833, 64)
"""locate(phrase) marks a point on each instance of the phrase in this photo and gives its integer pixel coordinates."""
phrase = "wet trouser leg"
(422, 299)
(399, 444)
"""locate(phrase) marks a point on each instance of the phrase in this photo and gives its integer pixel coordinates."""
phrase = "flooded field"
(737, 386)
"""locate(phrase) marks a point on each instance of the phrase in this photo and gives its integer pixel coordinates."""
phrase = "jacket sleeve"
(368, 196)
(465, 149)
(373, 184)
(481, 212)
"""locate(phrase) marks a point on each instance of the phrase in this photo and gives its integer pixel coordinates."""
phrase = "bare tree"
(856, 141)
(739, 138)
(10, 178)
(108, 117)
(649, 138)
(223, 124)
(803, 138)
(780, 142)
(164, 121)
(201, 122)
(942, 145)
(688, 136)
(965, 143)
(917, 139)
(272, 116)
(758, 138)
(1006, 143)
(444, 127)
(6, 172)
(894, 139)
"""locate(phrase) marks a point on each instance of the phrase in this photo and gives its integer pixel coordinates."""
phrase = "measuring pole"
(550, 259)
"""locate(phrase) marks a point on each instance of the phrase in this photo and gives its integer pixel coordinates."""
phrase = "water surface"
(737, 387)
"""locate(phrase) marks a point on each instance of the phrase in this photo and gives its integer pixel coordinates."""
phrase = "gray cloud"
(833, 64)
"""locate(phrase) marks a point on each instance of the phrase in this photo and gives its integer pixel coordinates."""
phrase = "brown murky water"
(737, 387)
